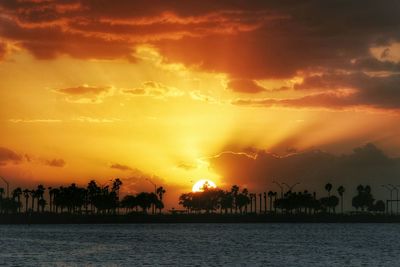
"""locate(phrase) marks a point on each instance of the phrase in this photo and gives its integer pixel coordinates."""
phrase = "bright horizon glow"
(199, 186)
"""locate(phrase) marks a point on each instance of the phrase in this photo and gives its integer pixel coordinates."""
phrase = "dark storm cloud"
(314, 168)
(246, 40)
(338, 91)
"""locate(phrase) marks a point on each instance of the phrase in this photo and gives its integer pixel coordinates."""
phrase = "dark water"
(201, 245)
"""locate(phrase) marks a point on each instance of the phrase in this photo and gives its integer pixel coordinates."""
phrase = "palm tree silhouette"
(265, 202)
(328, 188)
(16, 194)
(160, 192)
(255, 203)
(51, 192)
(26, 195)
(235, 191)
(39, 194)
(251, 202)
(33, 196)
(42, 203)
(341, 191)
(270, 195)
(245, 193)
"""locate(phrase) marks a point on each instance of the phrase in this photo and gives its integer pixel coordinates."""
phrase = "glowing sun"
(202, 184)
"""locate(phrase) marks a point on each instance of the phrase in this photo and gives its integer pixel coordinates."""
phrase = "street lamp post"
(8, 186)
(397, 197)
(290, 187)
(391, 198)
(280, 186)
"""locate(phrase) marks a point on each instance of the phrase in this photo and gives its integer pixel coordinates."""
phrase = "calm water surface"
(201, 245)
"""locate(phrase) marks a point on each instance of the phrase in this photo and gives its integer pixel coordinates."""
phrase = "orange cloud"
(55, 163)
(247, 41)
(9, 156)
(245, 86)
(154, 89)
(85, 94)
(121, 167)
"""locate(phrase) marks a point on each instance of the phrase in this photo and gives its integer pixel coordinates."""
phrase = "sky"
(238, 92)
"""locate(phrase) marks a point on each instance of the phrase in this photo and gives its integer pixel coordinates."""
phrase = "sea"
(201, 245)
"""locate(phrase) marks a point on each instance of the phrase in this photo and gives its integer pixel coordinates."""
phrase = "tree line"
(91, 199)
(105, 199)
(242, 201)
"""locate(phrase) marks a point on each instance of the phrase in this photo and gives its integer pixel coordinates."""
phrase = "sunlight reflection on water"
(200, 245)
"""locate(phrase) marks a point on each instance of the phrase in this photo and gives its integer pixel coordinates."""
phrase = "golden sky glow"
(157, 95)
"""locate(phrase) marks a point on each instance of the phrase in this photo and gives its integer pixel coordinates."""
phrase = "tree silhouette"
(363, 199)
(129, 202)
(16, 195)
(160, 193)
(234, 191)
(39, 192)
(26, 195)
(242, 200)
(341, 191)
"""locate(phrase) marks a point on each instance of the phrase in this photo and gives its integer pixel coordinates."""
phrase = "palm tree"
(328, 188)
(251, 202)
(33, 196)
(259, 196)
(270, 195)
(255, 202)
(160, 192)
(235, 191)
(39, 194)
(265, 202)
(26, 195)
(16, 194)
(51, 192)
(245, 193)
(341, 191)
(42, 203)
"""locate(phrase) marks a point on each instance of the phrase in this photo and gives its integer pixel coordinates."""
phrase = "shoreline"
(194, 218)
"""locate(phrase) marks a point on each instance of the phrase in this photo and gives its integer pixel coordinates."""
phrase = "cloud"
(3, 50)
(329, 100)
(187, 166)
(55, 163)
(85, 94)
(245, 86)
(248, 41)
(120, 167)
(34, 120)
(96, 120)
(155, 90)
(366, 165)
(338, 91)
(9, 156)
(83, 90)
